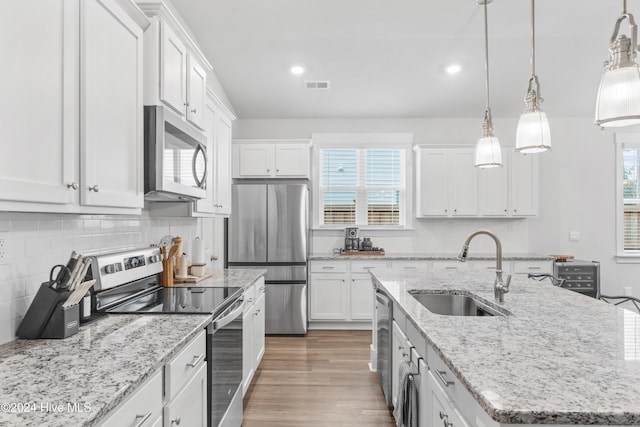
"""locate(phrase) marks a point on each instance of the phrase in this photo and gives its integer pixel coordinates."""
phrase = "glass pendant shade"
(618, 102)
(533, 134)
(488, 152)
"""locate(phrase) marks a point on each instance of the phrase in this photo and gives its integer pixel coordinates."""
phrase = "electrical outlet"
(3, 247)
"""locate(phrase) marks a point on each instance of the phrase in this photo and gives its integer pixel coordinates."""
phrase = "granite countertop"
(433, 257)
(559, 358)
(100, 365)
(228, 278)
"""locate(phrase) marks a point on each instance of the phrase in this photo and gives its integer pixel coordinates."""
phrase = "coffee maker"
(351, 239)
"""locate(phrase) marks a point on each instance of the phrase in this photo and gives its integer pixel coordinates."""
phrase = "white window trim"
(622, 141)
(359, 141)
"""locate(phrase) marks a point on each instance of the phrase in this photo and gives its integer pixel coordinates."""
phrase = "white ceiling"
(386, 59)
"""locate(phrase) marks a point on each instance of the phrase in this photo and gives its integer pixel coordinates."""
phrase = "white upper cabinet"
(511, 190)
(256, 158)
(175, 70)
(446, 182)
(85, 154)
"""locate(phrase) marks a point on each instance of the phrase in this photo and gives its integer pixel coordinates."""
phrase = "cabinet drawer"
(450, 265)
(143, 406)
(535, 267)
(184, 365)
(411, 265)
(444, 377)
(443, 409)
(189, 408)
(328, 266)
(366, 266)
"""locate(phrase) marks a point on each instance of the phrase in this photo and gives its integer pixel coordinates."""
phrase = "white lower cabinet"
(179, 397)
(399, 353)
(142, 408)
(253, 331)
(189, 407)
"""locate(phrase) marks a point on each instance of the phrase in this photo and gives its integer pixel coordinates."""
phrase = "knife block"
(46, 318)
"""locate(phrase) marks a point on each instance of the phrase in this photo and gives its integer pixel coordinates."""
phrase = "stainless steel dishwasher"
(384, 316)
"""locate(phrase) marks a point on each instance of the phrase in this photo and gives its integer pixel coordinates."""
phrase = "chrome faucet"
(499, 287)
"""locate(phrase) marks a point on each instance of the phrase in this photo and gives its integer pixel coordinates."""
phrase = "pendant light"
(533, 134)
(618, 102)
(488, 152)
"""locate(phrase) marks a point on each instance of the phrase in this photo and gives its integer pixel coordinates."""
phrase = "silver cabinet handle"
(193, 111)
(176, 421)
(445, 419)
(73, 185)
(196, 360)
(451, 268)
(213, 258)
(94, 188)
(142, 419)
(440, 375)
(409, 268)
(535, 268)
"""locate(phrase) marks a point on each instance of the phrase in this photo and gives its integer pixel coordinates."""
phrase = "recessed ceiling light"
(453, 69)
(297, 70)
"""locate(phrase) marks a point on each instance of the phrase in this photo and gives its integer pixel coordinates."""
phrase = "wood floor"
(321, 379)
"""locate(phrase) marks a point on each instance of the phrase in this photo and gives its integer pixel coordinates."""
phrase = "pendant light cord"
(533, 37)
(486, 52)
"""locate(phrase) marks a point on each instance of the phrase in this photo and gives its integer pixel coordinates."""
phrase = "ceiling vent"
(324, 85)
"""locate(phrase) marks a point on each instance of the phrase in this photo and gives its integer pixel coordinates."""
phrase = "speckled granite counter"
(433, 257)
(560, 358)
(233, 277)
(100, 365)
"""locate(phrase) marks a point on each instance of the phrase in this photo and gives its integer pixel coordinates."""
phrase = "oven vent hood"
(175, 157)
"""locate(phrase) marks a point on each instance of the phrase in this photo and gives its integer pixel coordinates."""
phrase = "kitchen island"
(558, 358)
(78, 380)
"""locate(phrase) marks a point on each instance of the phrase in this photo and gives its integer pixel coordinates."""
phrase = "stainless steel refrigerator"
(269, 226)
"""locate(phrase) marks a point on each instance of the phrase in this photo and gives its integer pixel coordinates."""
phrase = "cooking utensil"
(172, 252)
(65, 275)
(62, 273)
(83, 272)
(78, 293)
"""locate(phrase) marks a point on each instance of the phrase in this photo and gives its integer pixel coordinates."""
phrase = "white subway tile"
(37, 247)
(82, 243)
(12, 289)
(6, 274)
(7, 331)
(72, 227)
(15, 248)
(92, 226)
(62, 245)
(24, 229)
(50, 228)
(107, 226)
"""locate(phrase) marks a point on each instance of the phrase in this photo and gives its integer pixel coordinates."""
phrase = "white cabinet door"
(255, 160)
(524, 188)
(196, 89)
(259, 329)
(328, 297)
(292, 160)
(463, 178)
(222, 172)
(39, 102)
(433, 184)
(361, 300)
(111, 118)
(189, 408)
(400, 351)
(493, 190)
(173, 70)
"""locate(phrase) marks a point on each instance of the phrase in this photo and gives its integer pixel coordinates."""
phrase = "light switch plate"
(574, 236)
(3, 247)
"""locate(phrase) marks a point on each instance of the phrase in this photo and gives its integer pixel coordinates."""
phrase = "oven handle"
(221, 322)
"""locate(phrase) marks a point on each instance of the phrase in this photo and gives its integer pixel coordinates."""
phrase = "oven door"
(224, 356)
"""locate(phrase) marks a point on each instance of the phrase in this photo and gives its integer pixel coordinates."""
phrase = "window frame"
(622, 141)
(363, 141)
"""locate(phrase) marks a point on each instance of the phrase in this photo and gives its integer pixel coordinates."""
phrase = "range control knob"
(155, 258)
(110, 269)
(118, 266)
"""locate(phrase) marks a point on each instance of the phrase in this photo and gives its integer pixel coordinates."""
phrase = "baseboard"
(337, 325)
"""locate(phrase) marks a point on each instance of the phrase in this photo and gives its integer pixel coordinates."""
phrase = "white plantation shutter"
(631, 195)
(360, 186)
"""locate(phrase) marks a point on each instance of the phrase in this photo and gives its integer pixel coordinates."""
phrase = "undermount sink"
(454, 304)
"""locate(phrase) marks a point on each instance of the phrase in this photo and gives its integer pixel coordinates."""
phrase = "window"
(362, 186)
(628, 197)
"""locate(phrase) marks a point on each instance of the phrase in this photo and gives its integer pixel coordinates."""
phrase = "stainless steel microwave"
(175, 157)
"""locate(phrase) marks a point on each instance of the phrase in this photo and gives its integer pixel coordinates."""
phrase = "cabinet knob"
(505, 210)
(455, 210)
(277, 170)
(73, 185)
(193, 111)
(515, 210)
(268, 170)
(176, 421)
(94, 188)
(446, 210)
(213, 258)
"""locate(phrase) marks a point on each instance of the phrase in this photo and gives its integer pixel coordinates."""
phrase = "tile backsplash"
(33, 243)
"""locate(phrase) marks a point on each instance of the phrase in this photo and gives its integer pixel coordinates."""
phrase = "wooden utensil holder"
(166, 277)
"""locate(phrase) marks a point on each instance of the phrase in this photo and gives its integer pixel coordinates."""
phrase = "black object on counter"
(46, 318)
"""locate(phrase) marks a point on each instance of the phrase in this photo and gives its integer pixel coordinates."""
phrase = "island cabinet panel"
(328, 296)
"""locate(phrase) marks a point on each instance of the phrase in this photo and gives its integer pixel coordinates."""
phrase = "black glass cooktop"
(176, 300)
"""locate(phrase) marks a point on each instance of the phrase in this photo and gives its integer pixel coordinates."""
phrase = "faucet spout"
(500, 287)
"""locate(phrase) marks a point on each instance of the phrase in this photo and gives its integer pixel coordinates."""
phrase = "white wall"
(36, 242)
(576, 191)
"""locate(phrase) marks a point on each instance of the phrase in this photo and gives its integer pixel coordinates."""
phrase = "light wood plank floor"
(322, 379)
